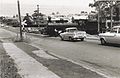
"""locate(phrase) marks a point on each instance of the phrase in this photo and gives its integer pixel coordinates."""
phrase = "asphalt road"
(61, 67)
(105, 59)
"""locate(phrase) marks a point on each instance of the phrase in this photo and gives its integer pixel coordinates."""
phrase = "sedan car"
(111, 37)
(72, 33)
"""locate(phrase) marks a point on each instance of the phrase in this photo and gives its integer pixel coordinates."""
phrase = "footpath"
(27, 61)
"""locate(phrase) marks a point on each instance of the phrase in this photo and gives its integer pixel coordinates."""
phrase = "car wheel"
(82, 39)
(103, 42)
(71, 39)
(61, 38)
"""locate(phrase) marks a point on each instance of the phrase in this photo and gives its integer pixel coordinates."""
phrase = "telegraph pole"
(19, 14)
(98, 18)
(38, 9)
(112, 4)
(111, 17)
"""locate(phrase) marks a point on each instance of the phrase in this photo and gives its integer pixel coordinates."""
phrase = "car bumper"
(78, 37)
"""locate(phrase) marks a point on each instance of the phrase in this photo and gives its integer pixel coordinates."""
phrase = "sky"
(9, 7)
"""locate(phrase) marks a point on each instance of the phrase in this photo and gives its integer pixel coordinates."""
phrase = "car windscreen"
(72, 30)
(114, 30)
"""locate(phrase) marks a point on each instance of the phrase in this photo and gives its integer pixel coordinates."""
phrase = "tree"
(107, 9)
(104, 7)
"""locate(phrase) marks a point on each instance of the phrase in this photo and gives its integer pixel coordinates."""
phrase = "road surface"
(89, 53)
(105, 59)
(60, 67)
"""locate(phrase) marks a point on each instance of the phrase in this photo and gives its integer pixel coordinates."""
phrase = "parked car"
(72, 33)
(113, 36)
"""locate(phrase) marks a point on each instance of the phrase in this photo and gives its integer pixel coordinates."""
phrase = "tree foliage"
(104, 8)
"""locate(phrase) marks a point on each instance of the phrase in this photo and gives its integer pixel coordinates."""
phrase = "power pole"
(112, 7)
(19, 14)
(38, 16)
(111, 17)
(38, 9)
(98, 18)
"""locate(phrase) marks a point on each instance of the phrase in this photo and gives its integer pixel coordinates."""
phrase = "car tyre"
(71, 39)
(103, 42)
(61, 38)
(82, 39)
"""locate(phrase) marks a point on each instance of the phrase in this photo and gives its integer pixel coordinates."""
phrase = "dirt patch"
(7, 65)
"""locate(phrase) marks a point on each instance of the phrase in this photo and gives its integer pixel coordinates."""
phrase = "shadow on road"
(111, 45)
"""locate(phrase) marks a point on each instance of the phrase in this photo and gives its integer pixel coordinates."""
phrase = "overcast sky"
(9, 7)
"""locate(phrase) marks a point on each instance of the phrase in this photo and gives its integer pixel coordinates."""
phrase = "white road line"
(28, 66)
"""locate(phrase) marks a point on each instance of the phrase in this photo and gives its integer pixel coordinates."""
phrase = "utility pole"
(38, 9)
(111, 17)
(19, 14)
(38, 16)
(98, 18)
(112, 6)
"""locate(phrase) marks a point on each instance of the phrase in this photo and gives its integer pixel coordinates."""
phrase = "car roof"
(71, 28)
(116, 27)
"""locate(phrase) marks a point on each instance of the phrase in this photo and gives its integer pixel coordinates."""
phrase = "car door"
(117, 36)
(68, 34)
(111, 37)
(65, 35)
